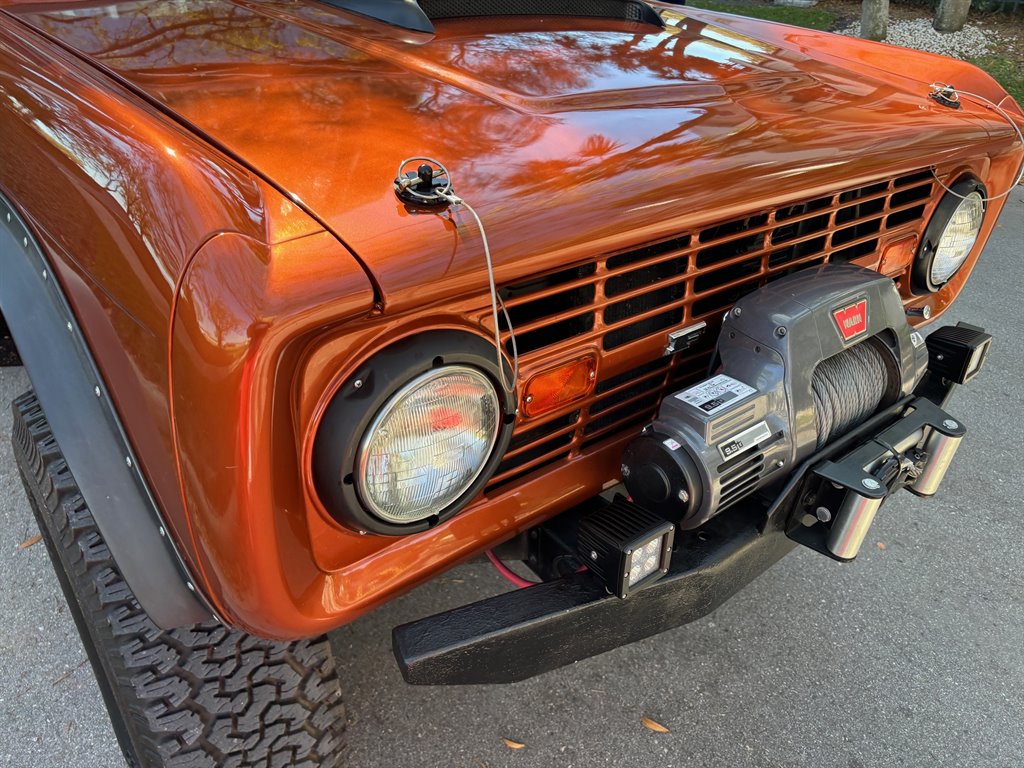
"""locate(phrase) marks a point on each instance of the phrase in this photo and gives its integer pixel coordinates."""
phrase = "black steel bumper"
(523, 633)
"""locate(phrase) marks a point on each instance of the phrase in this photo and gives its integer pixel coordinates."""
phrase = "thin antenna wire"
(406, 184)
(945, 89)
(495, 299)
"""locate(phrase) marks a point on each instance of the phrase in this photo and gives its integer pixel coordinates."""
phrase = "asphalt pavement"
(911, 656)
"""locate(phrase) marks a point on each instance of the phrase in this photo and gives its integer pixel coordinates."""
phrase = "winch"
(798, 363)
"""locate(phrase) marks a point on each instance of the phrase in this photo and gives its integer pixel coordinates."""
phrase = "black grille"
(634, 296)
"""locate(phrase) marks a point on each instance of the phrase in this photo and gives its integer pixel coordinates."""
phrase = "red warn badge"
(852, 320)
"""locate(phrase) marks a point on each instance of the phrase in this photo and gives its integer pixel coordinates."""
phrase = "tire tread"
(193, 697)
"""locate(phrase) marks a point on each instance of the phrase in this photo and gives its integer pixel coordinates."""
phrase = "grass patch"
(1009, 74)
(811, 18)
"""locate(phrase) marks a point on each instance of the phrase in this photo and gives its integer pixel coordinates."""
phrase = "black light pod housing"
(958, 352)
(625, 546)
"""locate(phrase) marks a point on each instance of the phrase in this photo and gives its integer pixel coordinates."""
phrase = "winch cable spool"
(848, 388)
(949, 93)
(441, 194)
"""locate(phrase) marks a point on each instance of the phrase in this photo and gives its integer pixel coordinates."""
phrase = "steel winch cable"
(848, 388)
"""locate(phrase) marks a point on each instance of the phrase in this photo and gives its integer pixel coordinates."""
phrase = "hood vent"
(418, 16)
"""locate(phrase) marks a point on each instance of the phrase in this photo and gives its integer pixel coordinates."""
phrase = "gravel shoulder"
(910, 26)
(918, 33)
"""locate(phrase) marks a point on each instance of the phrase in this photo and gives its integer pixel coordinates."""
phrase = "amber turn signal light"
(898, 256)
(555, 387)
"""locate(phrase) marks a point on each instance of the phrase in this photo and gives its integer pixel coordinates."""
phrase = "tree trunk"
(874, 19)
(951, 15)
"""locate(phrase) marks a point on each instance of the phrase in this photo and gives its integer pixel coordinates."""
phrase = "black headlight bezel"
(920, 276)
(353, 409)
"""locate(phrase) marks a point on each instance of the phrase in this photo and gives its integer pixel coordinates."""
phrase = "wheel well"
(8, 351)
(86, 425)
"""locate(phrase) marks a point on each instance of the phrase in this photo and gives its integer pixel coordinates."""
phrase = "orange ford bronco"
(321, 298)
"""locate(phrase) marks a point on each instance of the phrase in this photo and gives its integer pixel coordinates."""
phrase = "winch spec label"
(748, 438)
(715, 394)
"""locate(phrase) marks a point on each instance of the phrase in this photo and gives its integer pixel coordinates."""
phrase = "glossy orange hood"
(569, 136)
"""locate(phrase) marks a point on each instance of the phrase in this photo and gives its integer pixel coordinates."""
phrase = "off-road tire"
(195, 697)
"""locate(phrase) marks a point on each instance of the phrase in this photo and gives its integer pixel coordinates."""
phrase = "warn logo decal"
(852, 321)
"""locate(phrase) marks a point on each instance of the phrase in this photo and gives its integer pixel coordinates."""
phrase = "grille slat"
(626, 301)
(559, 449)
(635, 395)
(641, 378)
(913, 208)
(705, 280)
(512, 453)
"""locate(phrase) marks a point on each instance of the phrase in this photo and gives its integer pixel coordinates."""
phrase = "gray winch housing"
(720, 440)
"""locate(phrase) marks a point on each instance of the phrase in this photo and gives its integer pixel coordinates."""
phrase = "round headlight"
(950, 236)
(412, 434)
(428, 444)
(958, 238)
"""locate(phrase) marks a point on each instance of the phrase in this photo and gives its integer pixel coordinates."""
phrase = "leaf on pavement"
(30, 541)
(513, 744)
(653, 725)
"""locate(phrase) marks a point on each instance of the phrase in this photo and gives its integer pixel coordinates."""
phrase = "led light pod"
(958, 352)
(626, 546)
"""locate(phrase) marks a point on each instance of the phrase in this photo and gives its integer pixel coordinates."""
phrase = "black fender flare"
(87, 428)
